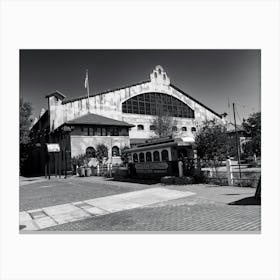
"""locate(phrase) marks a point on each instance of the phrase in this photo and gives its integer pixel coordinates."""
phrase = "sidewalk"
(60, 214)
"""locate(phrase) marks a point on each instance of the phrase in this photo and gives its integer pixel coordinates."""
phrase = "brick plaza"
(97, 204)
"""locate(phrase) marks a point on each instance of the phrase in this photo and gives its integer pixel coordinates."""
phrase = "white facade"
(109, 104)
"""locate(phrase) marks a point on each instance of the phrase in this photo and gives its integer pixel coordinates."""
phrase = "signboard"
(151, 165)
(53, 148)
(162, 139)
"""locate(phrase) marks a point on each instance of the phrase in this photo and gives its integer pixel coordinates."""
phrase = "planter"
(82, 171)
(87, 171)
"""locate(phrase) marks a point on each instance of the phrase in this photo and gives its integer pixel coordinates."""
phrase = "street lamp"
(65, 131)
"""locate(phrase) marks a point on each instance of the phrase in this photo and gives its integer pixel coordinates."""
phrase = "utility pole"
(236, 141)
(87, 87)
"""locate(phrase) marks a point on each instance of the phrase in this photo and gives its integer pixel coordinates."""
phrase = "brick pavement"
(208, 210)
(197, 217)
(65, 213)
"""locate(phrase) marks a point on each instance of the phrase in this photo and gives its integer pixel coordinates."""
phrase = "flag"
(86, 80)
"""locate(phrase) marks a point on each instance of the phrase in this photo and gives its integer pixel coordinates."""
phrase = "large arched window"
(153, 103)
(115, 151)
(164, 155)
(156, 155)
(90, 152)
(141, 157)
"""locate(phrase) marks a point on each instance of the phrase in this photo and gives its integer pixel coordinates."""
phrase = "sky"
(217, 78)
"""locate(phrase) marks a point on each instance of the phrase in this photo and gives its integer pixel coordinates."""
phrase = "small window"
(140, 127)
(184, 128)
(193, 129)
(148, 156)
(159, 71)
(98, 131)
(174, 128)
(155, 74)
(164, 77)
(135, 158)
(156, 155)
(152, 127)
(141, 157)
(164, 155)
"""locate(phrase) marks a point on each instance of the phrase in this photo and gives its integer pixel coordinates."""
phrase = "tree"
(101, 152)
(25, 119)
(252, 127)
(163, 123)
(211, 143)
(125, 154)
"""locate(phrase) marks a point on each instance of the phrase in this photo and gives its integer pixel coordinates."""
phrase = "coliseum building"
(118, 118)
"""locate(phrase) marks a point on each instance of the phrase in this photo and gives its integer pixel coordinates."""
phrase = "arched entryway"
(115, 151)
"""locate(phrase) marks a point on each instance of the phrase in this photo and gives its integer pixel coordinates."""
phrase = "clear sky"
(214, 77)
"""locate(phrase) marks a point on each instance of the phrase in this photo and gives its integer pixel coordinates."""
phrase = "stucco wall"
(110, 105)
(79, 143)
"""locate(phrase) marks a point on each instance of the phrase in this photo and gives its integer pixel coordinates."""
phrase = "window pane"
(141, 157)
(98, 131)
(148, 156)
(147, 103)
(156, 156)
(164, 155)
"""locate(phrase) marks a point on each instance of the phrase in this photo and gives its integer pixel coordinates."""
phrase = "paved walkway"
(65, 213)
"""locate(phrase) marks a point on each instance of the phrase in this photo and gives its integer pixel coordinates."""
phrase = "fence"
(233, 174)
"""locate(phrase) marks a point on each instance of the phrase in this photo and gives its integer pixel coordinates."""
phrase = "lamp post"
(65, 131)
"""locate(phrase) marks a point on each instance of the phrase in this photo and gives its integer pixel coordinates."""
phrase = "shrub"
(101, 152)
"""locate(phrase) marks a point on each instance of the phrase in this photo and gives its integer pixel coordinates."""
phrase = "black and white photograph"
(112, 141)
(139, 140)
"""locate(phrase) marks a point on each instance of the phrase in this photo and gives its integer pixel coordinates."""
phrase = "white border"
(155, 24)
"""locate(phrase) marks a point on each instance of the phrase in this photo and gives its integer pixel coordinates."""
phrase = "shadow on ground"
(247, 201)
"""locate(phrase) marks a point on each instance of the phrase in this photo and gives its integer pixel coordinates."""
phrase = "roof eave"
(181, 91)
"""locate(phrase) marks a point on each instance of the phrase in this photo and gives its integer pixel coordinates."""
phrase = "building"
(119, 117)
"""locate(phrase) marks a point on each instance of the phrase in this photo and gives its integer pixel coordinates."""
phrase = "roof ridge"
(104, 92)
(200, 103)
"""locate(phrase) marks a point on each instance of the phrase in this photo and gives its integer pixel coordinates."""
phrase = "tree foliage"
(25, 119)
(125, 154)
(163, 123)
(101, 152)
(252, 127)
(211, 142)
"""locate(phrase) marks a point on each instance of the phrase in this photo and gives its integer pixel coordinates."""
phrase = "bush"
(101, 152)
(80, 160)
(199, 177)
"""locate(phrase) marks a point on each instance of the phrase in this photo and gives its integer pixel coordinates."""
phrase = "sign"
(162, 139)
(151, 165)
(53, 148)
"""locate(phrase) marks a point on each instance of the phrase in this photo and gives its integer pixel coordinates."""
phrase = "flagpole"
(87, 86)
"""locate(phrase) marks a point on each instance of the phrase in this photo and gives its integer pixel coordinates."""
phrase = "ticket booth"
(159, 157)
